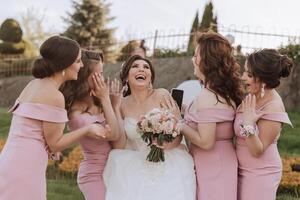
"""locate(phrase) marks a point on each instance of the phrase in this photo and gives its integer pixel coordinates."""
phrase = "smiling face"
(252, 85)
(139, 74)
(71, 72)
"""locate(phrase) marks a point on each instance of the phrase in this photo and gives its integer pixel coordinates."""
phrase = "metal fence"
(171, 43)
(249, 39)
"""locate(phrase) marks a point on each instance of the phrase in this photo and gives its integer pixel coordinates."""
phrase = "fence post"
(154, 44)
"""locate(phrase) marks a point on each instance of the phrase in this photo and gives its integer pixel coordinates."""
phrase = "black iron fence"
(172, 43)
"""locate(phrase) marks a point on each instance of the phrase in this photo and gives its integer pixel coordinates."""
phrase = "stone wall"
(10, 88)
(169, 73)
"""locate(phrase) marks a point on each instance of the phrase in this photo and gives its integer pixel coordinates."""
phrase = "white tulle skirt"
(128, 176)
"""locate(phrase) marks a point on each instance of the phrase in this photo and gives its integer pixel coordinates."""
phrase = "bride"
(127, 175)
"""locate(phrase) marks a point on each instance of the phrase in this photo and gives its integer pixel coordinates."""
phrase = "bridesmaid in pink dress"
(258, 125)
(209, 119)
(38, 121)
(84, 109)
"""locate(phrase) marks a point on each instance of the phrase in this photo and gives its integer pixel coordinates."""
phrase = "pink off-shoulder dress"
(258, 178)
(95, 152)
(216, 169)
(24, 158)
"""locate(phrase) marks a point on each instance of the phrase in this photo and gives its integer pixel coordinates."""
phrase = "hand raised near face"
(250, 115)
(116, 93)
(101, 90)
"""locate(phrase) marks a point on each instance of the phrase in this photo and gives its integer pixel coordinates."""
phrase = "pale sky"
(139, 18)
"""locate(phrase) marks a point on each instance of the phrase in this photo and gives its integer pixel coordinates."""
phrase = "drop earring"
(63, 73)
(126, 87)
(262, 92)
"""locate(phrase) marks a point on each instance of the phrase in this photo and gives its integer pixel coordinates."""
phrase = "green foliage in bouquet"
(156, 153)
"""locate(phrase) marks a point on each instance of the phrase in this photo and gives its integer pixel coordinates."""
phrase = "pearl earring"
(262, 92)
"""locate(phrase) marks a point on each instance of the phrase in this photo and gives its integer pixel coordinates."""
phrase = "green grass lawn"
(4, 122)
(63, 190)
(68, 190)
(289, 144)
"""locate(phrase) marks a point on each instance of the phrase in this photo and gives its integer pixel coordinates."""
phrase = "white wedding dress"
(128, 176)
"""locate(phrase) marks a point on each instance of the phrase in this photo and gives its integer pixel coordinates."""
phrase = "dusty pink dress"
(24, 159)
(216, 169)
(95, 154)
(258, 178)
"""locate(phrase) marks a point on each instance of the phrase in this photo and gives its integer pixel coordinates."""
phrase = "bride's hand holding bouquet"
(157, 127)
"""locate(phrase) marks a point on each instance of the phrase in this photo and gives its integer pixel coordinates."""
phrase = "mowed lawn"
(66, 189)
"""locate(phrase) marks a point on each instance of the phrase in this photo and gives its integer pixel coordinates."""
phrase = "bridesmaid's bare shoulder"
(275, 105)
(41, 91)
(208, 99)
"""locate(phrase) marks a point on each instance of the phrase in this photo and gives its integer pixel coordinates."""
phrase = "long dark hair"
(269, 66)
(57, 53)
(77, 90)
(125, 71)
(219, 67)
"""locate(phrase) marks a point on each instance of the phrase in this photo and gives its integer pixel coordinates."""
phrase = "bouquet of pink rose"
(156, 127)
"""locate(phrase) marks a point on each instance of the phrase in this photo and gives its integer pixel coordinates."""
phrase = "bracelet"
(247, 130)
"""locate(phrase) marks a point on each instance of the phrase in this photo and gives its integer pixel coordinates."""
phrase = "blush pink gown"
(216, 169)
(95, 152)
(24, 159)
(258, 178)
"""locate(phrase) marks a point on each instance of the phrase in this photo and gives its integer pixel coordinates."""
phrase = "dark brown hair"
(219, 67)
(57, 53)
(77, 90)
(125, 71)
(269, 66)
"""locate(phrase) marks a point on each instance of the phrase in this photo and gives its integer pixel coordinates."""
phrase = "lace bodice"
(134, 140)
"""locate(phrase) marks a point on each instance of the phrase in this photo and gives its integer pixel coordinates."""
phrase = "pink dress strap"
(207, 115)
(267, 104)
(272, 116)
(278, 116)
(38, 111)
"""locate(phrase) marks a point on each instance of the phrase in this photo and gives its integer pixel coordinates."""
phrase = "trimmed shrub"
(10, 31)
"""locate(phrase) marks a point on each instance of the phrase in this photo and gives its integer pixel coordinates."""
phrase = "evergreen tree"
(87, 25)
(208, 22)
(192, 39)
